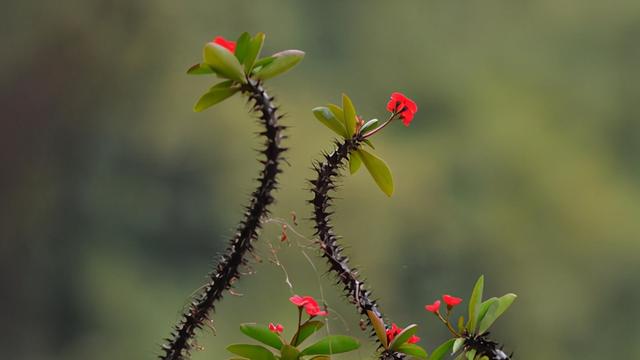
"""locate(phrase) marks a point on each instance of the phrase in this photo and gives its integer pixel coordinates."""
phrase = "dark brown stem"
(324, 182)
(227, 271)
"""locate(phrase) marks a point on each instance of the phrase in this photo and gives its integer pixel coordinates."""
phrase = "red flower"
(227, 44)
(401, 104)
(276, 328)
(451, 301)
(395, 330)
(434, 308)
(310, 305)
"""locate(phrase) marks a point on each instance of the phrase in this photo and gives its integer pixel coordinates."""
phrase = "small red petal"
(434, 308)
(451, 300)
(227, 44)
(413, 339)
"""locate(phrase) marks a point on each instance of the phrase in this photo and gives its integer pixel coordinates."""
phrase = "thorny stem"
(324, 182)
(180, 343)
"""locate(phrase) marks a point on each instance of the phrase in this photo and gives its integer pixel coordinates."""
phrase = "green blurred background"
(522, 164)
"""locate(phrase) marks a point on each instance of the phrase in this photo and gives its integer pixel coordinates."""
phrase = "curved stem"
(227, 270)
(324, 182)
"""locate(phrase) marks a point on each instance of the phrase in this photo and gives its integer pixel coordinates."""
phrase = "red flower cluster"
(227, 44)
(451, 301)
(395, 330)
(401, 104)
(310, 305)
(276, 328)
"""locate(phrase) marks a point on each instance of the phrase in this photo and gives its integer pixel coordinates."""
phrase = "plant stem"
(226, 272)
(324, 182)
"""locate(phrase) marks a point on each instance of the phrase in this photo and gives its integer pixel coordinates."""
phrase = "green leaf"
(332, 344)
(252, 352)
(255, 46)
(378, 170)
(378, 327)
(262, 334)
(349, 115)
(412, 350)
(369, 125)
(283, 61)
(223, 62)
(214, 96)
(354, 162)
(474, 303)
(461, 324)
(242, 46)
(262, 62)
(497, 308)
(200, 69)
(441, 351)
(307, 330)
(457, 345)
(484, 307)
(505, 303)
(368, 142)
(289, 352)
(338, 113)
(321, 357)
(471, 354)
(403, 337)
(328, 119)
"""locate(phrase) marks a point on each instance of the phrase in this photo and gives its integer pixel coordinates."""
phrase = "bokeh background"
(522, 164)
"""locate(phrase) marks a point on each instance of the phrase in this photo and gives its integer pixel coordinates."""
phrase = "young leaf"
(474, 303)
(200, 69)
(484, 307)
(262, 334)
(332, 344)
(403, 337)
(307, 330)
(262, 62)
(338, 113)
(412, 350)
(289, 352)
(283, 61)
(457, 345)
(378, 327)
(349, 115)
(253, 51)
(378, 170)
(223, 62)
(354, 162)
(471, 354)
(461, 323)
(441, 351)
(368, 142)
(214, 96)
(242, 46)
(497, 308)
(252, 352)
(505, 303)
(328, 119)
(489, 317)
(369, 125)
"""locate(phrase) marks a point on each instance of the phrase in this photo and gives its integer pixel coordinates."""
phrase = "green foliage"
(281, 63)
(403, 337)
(379, 171)
(441, 351)
(262, 334)
(332, 344)
(240, 65)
